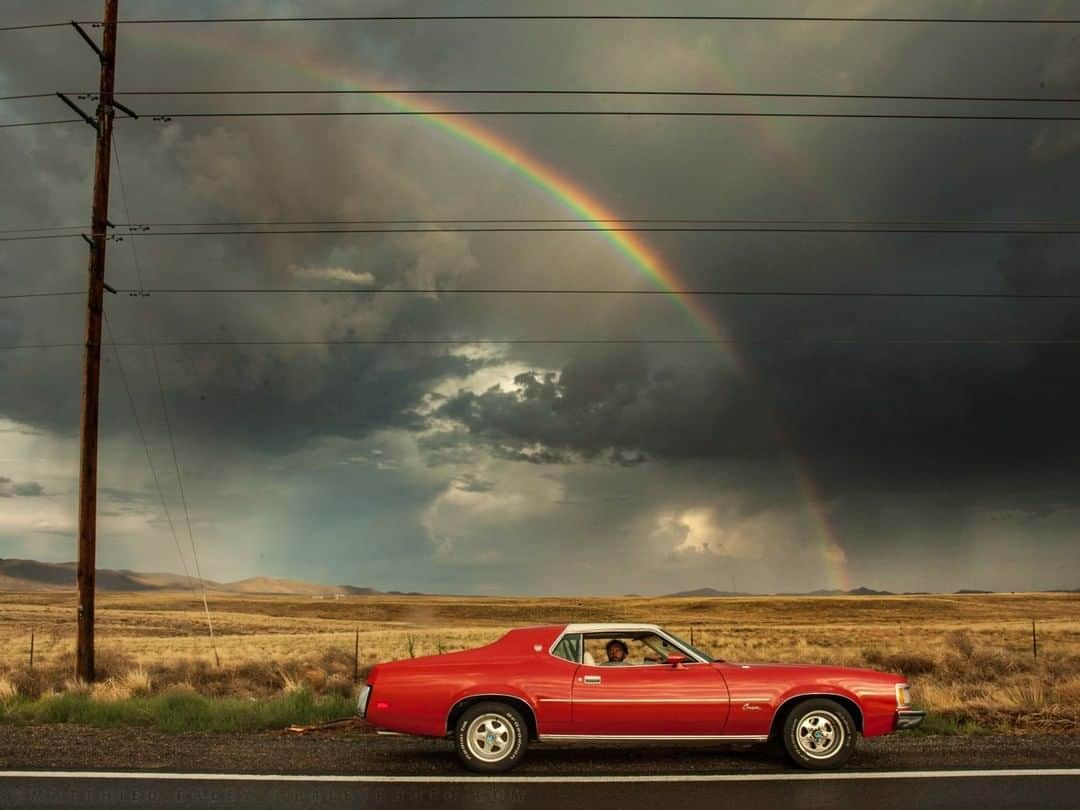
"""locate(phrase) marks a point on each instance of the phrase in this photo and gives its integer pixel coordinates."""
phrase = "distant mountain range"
(31, 575)
(861, 591)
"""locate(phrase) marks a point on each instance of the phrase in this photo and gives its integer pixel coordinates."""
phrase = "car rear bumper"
(909, 718)
(362, 701)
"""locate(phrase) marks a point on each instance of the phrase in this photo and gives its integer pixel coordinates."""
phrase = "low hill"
(270, 585)
(31, 575)
(707, 592)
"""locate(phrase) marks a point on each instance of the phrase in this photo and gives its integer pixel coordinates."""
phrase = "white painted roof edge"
(609, 627)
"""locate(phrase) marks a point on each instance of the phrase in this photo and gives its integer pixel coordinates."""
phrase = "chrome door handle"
(592, 679)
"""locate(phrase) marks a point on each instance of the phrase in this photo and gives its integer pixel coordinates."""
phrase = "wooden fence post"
(356, 658)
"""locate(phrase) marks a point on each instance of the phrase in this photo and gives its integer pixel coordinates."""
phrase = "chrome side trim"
(653, 700)
(653, 737)
(650, 700)
(382, 733)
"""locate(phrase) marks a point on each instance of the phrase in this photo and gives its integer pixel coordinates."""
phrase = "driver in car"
(616, 653)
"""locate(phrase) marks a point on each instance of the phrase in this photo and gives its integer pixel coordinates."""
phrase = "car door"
(657, 700)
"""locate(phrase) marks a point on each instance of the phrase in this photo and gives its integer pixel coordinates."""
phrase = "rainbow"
(574, 198)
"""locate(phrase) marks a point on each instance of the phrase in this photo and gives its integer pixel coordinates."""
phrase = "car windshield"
(704, 656)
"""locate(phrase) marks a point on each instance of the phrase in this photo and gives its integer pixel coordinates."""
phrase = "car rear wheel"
(819, 734)
(491, 737)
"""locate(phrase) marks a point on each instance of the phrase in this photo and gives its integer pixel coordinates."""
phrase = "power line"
(27, 95)
(580, 92)
(166, 117)
(41, 123)
(583, 226)
(731, 293)
(146, 446)
(34, 26)
(679, 341)
(567, 18)
(41, 228)
(589, 18)
(568, 220)
(39, 237)
(60, 294)
(596, 291)
(165, 411)
(325, 224)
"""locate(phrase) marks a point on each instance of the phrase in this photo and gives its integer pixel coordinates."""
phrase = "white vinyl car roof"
(609, 628)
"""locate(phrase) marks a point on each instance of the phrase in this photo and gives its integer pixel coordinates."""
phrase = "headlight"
(903, 695)
(362, 701)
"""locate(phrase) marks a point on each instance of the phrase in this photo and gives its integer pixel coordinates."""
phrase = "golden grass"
(968, 657)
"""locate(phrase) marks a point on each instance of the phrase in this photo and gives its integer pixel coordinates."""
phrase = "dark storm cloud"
(608, 403)
(903, 440)
(20, 489)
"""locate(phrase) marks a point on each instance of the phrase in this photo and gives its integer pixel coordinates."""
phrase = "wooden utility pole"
(91, 383)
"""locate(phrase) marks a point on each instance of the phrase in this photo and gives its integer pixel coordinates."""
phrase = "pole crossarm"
(89, 40)
(125, 109)
(78, 111)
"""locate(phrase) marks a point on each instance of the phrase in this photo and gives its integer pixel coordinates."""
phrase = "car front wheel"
(491, 737)
(819, 734)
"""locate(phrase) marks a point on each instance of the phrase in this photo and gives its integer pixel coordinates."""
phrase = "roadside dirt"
(357, 751)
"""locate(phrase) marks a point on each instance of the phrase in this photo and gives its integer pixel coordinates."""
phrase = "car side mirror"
(676, 660)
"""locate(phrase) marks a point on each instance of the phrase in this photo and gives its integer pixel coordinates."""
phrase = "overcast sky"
(784, 463)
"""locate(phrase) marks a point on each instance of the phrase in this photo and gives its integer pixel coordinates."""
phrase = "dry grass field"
(969, 657)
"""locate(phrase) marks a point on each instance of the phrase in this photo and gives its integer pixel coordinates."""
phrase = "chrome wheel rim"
(490, 737)
(819, 734)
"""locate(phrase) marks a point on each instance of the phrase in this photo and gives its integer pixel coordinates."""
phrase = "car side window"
(569, 648)
(632, 651)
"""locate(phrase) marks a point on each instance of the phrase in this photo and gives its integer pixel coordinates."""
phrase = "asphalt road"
(77, 748)
(983, 790)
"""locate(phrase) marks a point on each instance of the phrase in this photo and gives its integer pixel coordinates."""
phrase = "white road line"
(368, 778)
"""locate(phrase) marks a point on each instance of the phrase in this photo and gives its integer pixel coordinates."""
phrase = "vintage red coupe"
(627, 683)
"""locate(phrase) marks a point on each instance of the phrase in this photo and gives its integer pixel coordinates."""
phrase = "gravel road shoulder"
(355, 751)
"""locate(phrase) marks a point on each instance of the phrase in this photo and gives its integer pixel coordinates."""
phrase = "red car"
(627, 683)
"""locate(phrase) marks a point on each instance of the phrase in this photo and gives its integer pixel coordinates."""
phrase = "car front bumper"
(909, 718)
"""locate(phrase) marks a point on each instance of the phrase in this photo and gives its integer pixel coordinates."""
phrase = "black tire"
(491, 737)
(819, 734)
